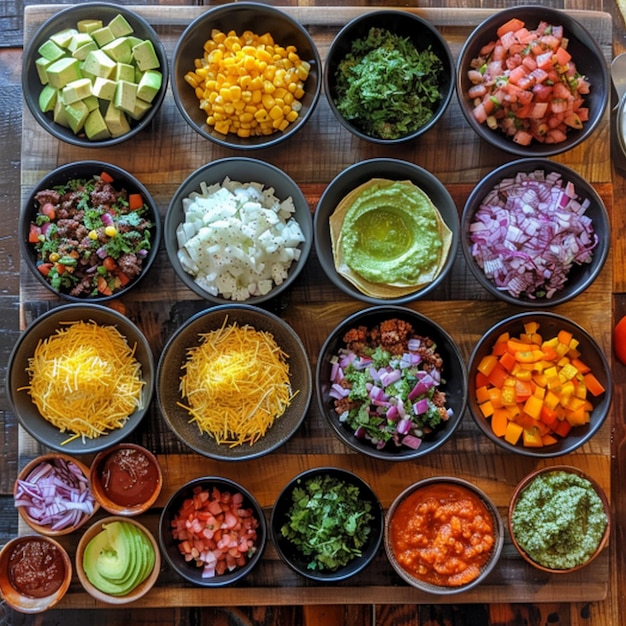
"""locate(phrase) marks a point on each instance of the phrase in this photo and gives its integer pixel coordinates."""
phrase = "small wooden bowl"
(138, 487)
(525, 482)
(26, 471)
(138, 591)
(15, 598)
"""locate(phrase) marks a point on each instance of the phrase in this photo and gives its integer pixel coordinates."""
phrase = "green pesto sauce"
(559, 520)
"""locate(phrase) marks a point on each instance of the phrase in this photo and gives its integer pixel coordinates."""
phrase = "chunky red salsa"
(442, 534)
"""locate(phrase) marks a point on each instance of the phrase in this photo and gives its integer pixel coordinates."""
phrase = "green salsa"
(559, 520)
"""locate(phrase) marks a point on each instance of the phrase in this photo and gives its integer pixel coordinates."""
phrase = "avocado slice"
(118, 558)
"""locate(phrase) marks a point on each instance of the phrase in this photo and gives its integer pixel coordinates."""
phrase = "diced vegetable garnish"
(528, 233)
(525, 83)
(238, 240)
(328, 522)
(215, 531)
(535, 390)
(385, 385)
(55, 494)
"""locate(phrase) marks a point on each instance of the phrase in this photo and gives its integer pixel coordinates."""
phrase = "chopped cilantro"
(386, 87)
(328, 522)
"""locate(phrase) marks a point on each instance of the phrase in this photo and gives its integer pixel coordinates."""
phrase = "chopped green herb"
(386, 87)
(328, 522)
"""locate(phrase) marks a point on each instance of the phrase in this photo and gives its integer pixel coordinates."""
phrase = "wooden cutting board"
(165, 154)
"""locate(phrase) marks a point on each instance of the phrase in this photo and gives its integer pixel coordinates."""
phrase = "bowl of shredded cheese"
(238, 230)
(234, 382)
(246, 75)
(80, 378)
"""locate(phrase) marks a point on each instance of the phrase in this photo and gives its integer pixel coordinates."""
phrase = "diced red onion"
(530, 231)
(55, 494)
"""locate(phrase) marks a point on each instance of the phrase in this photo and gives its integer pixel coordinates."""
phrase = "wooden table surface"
(161, 158)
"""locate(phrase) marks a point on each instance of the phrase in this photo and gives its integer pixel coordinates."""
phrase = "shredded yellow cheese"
(85, 379)
(237, 384)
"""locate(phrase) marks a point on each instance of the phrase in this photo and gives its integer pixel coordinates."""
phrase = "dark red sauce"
(36, 568)
(129, 477)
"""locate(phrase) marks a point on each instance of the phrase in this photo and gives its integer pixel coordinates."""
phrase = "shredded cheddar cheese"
(85, 379)
(236, 382)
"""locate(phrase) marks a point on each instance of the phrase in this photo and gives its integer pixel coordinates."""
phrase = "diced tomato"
(34, 233)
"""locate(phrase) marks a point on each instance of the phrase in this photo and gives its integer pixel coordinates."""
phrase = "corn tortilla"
(411, 199)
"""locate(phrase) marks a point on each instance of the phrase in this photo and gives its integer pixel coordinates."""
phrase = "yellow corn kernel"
(268, 101)
(110, 231)
(261, 115)
(276, 112)
(192, 79)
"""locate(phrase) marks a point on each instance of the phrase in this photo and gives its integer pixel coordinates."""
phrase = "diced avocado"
(103, 36)
(119, 26)
(49, 50)
(119, 50)
(63, 71)
(76, 90)
(42, 64)
(78, 40)
(133, 40)
(149, 85)
(125, 96)
(77, 113)
(89, 25)
(59, 116)
(63, 37)
(145, 56)
(116, 121)
(92, 103)
(124, 71)
(95, 126)
(82, 52)
(47, 98)
(141, 108)
(104, 88)
(99, 64)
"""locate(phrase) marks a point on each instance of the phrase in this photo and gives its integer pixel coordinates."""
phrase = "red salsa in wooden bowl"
(126, 480)
(35, 573)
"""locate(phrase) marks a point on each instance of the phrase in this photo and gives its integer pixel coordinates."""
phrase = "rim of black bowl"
(169, 547)
(375, 17)
(575, 30)
(272, 440)
(344, 434)
(30, 79)
(588, 271)
(233, 141)
(64, 173)
(294, 560)
(495, 516)
(394, 169)
(188, 186)
(54, 438)
(575, 439)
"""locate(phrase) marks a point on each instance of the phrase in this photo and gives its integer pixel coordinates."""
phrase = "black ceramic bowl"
(453, 373)
(169, 545)
(580, 276)
(68, 18)
(590, 353)
(462, 488)
(358, 174)
(87, 170)
(174, 356)
(47, 325)
(239, 17)
(243, 170)
(294, 557)
(586, 54)
(406, 25)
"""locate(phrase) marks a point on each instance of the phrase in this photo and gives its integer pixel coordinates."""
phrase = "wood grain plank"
(165, 154)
